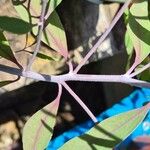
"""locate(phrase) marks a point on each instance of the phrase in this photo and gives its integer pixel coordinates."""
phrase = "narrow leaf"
(110, 132)
(138, 29)
(3, 83)
(44, 56)
(6, 52)
(38, 129)
(14, 25)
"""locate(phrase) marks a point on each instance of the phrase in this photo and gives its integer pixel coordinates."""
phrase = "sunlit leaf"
(23, 12)
(6, 52)
(128, 44)
(14, 25)
(138, 29)
(110, 132)
(54, 35)
(100, 1)
(33, 8)
(53, 4)
(39, 128)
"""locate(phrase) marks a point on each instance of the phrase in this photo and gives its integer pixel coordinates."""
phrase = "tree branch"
(103, 37)
(40, 30)
(140, 70)
(76, 97)
(75, 77)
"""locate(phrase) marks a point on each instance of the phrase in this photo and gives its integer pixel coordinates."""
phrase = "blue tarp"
(134, 100)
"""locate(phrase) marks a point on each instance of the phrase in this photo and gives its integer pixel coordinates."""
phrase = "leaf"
(33, 8)
(110, 132)
(129, 49)
(38, 129)
(3, 83)
(145, 75)
(128, 44)
(44, 56)
(53, 4)
(6, 52)
(100, 1)
(138, 29)
(14, 25)
(54, 35)
(23, 12)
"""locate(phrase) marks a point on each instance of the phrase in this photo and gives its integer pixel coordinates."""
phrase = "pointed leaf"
(53, 4)
(38, 129)
(139, 30)
(23, 12)
(54, 35)
(3, 83)
(110, 132)
(44, 56)
(6, 52)
(14, 25)
(33, 8)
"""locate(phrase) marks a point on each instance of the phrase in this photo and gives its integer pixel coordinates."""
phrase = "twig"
(103, 37)
(75, 77)
(76, 97)
(40, 30)
(140, 70)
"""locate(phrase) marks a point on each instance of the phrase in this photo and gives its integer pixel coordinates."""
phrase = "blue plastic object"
(135, 100)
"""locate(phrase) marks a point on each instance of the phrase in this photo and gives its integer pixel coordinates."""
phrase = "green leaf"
(33, 8)
(6, 52)
(3, 83)
(129, 49)
(23, 12)
(54, 35)
(44, 56)
(53, 4)
(138, 29)
(14, 25)
(110, 132)
(128, 44)
(38, 129)
(145, 75)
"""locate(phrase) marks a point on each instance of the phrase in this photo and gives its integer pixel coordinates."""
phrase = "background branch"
(103, 37)
(40, 30)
